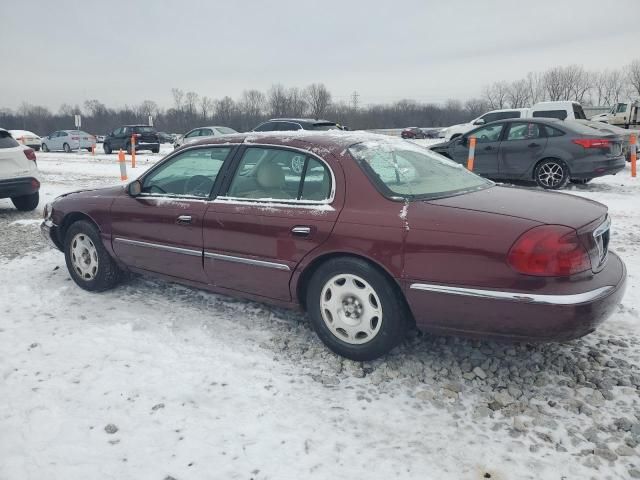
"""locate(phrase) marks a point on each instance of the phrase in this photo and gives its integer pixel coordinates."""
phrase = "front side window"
(400, 170)
(193, 133)
(622, 107)
(225, 130)
(274, 174)
(191, 173)
(490, 133)
(524, 131)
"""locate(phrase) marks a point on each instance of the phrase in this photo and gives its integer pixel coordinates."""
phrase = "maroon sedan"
(371, 235)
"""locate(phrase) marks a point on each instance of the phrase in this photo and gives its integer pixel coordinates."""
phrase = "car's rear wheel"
(551, 174)
(66, 148)
(88, 262)
(107, 148)
(26, 203)
(155, 150)
(45, 148)
(355, 310)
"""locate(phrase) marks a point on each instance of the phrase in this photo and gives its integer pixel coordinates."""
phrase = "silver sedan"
(201, 133)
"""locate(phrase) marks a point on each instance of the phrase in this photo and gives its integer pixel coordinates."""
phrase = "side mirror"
(480, 121)
(134, 188)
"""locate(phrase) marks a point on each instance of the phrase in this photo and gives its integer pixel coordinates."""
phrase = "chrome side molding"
(571, 299)
(247, 261)
(168, 248)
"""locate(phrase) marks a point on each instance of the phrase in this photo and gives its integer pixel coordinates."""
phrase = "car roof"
(304, 120)
(553, 121)
(333, 141)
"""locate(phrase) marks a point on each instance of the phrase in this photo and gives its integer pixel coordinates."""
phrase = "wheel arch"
(308, 271)
(71, 218)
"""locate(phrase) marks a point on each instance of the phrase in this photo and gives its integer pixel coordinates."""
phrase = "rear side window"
(492, 117)
(7, 141)
(553, 132)
(559, 114)
(266, 127)
(326, 126)
(524, 131)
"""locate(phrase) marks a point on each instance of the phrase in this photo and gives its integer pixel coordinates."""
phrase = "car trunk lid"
(538, 206)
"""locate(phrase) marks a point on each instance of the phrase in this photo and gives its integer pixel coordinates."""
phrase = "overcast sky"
(125, 52)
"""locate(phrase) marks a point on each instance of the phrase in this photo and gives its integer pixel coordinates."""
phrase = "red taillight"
(30, 154)
(549, 251)
(592, 142)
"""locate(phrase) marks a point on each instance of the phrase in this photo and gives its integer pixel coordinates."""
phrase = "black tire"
(107, 274)
(581, 181)
(26, 203)
(36, 148)
(551, 174)
(107, 148)
(155, 150)
(394, 313)
(66, 148)
(128, 148)
(45, 148)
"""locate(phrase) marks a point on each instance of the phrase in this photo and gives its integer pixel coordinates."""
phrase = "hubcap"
(550, 174)
(84, 257)
(351, 309)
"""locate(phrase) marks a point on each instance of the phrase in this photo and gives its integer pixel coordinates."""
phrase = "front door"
(486, 153)
(523, 145)
(270, 218)
(160, 230)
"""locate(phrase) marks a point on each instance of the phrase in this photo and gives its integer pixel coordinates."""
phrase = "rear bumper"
(147, 146)
(523, 316)
(597, 168)
(17, 187)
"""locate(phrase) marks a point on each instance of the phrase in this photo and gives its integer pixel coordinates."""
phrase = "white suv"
(18, 173)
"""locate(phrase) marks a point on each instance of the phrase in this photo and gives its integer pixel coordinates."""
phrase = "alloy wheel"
(351, 309)
(84, 257)
(550, 174)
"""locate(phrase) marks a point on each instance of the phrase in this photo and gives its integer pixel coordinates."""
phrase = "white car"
(25, 137)
(202, 133)
(18, 173)
(68, 140)
(562, 110)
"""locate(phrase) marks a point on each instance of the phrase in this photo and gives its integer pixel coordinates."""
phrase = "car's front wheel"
(551, 174)
(26, 203)
(88, 262)
(355, 310)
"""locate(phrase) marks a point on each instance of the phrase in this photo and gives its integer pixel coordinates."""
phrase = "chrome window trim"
(247, 261)
(597, 237)
(309, 153)
(168, 248)
(570, 299)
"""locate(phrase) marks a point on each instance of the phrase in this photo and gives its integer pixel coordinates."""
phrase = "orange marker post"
(93, 150)
(634, 154)
(123, 165)
(133, 151)
(472, 153)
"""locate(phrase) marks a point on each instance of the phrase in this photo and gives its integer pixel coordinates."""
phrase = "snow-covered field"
(158, 381)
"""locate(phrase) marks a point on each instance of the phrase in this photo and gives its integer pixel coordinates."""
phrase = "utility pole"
(354, 100)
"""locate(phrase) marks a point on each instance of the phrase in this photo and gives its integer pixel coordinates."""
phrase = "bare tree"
(554, 85)
(535, 88)
(190, 102)
(518, 94)
(147, 108)
(278, 100)
(206, 107)
(318, 98)
(297, 103)
(476, 107)
(496, 95)
(225, 109)
(178, 98)
(632, 72)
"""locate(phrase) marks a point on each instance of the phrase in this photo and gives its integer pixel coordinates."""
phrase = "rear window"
(145, 129)
(323, 126)
(559, 114)
(7, 141)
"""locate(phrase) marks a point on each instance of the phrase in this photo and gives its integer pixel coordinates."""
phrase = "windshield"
(405, 170)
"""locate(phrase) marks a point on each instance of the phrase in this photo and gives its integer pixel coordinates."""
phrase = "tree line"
(190, 109)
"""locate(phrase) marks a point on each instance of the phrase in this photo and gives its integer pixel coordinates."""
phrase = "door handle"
(184, 220)
(533, 145)
(301, 231)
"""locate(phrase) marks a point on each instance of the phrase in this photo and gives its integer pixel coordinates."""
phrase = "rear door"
(523, 145)
(160, 230)
(268, 220)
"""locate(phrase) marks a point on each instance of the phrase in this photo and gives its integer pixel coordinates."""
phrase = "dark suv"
(288, 124)
(146, 139)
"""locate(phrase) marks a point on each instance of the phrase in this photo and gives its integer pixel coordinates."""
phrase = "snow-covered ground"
(158, 381)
